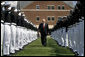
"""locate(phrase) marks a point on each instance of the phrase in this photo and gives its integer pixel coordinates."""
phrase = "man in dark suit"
(43, 29)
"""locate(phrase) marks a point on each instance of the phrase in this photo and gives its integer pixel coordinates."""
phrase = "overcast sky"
(74, 3)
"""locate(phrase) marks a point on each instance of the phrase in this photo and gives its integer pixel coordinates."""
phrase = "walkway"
(36, 49)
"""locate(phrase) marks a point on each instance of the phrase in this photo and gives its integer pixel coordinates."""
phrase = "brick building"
(52, 11)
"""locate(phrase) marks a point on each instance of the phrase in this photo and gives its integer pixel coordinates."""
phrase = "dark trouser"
(43, 40)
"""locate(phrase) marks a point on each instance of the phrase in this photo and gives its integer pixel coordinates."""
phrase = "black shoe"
(44, 45)
(6, 55)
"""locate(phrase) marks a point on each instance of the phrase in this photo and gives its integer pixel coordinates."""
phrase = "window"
(53, 19)
(58, 7)
(37, 18)
(48, 7)
(48, 18)
(52, 7)
(37, 7)
(63, 7)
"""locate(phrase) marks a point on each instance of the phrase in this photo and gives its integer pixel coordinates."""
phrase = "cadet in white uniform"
(7, 31)
(13, 30)
(17, 30)
(2, 28)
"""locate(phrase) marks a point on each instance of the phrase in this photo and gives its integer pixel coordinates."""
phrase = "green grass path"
(36, 49)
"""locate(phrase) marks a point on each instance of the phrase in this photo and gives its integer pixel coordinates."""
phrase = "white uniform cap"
(2, 3)
(15, 10)
(19, 14)
(9, 8)
(23, 14)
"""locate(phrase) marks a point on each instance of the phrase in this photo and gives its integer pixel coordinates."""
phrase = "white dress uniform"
(58, 37)
(65, 40)
(24, 35)
(81, 26)
(63, 36)
(17, 37)
(72, 36)
(2, 35)
(21, 37)
(13, 38)
(28, 35)
(35, 35)
(7, 37)
(76, 36)
(22, 41)
(69, 38)
(60, 34)
(79, 38)
(82, 38)
(54, 35)
(82, 54)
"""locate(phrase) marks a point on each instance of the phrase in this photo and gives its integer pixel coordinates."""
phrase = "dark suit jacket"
(44, 31)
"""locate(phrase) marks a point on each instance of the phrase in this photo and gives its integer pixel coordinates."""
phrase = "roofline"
(61, 1)
(68, 5)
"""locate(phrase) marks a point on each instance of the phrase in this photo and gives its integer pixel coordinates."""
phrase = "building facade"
(52, 11)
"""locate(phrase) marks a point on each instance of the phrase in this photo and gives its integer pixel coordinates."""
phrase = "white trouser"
(31, 35)
(20, 38)
(81, 50)
(63, 38)
(23, 36)
(17, 38)
(67, 39)
(2, 34)
(28, 36)
(7, 36)
(25, 39)
(13, 38)
(70, 37)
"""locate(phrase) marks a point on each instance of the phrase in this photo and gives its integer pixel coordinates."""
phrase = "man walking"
(43, 29)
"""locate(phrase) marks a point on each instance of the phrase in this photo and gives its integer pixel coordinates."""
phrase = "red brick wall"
(43, 4)
(43, 14)
(31, 15)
